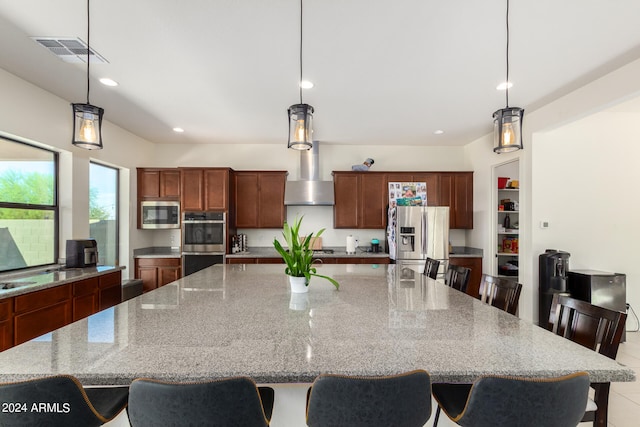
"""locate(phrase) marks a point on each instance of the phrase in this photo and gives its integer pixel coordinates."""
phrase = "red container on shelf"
(502, 182)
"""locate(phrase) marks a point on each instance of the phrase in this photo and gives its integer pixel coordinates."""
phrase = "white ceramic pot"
(298, 285)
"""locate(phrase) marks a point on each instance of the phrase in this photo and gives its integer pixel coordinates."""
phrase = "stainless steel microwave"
(160, 214)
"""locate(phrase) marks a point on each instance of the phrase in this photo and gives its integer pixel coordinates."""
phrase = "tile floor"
(624, 398)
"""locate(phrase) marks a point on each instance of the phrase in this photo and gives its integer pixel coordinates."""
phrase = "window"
(103, 211)
(28, 205)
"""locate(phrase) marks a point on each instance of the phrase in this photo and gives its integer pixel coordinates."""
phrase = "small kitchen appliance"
(82, 253)
(159, 214)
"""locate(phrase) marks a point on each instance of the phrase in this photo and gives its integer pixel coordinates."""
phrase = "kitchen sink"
(12, 285)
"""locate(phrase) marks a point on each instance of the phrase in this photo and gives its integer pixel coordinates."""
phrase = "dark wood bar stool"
(431, 267)
(594, 327)
(500, 292)
(457, 277)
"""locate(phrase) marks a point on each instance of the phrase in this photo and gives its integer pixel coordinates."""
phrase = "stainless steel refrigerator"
(417, 232)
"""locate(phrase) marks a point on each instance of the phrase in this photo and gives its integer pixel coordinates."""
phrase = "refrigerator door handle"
(425, 230)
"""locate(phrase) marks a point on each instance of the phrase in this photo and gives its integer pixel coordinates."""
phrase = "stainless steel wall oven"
(204, 240)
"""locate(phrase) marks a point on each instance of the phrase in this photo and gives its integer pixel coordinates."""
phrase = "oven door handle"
(203, 221)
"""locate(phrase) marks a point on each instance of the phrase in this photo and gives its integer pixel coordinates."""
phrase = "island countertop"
(241, 319)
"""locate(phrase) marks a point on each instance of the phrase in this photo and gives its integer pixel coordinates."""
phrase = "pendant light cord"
(300, 80)
(88, 47)
(507, 89)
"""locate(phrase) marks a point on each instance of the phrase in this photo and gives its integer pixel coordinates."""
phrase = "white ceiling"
(385, 71)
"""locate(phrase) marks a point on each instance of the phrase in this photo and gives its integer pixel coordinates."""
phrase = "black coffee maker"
(553, 274)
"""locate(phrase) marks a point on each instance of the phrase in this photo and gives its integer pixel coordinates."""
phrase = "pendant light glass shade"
(300, 126)
(507, 129)
(87, 118)
(87, 126)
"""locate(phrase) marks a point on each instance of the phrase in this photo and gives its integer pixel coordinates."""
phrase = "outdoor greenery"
(35, 188)
(299, 257)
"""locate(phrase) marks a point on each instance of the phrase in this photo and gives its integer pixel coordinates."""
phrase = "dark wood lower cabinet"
(28, 316)
(41, 312)
(157, 272)
(475, 264)
(6, 324)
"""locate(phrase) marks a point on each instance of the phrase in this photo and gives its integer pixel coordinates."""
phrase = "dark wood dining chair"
(431, 267)
(500, 292)
(457, 277)
(594, 327)
(66, 403)
(509, 401)
(234, 401)
(402, 400)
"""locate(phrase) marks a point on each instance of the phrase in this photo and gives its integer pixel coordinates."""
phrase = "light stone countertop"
(240, 319)
(49, 278)
(338, 252)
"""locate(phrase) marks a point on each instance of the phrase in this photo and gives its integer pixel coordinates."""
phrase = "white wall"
(586, 174)
(31, 114)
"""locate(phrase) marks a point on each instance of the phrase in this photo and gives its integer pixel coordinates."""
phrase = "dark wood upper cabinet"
(158, 184)
(260, 199)
(204, 189)
(456, 191)
(360, 200)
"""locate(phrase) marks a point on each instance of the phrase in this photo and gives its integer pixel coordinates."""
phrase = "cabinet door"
(170, 184)
(148, 183)
(110, 290)
(149, 276)
(41, 321)
(191, 190)
(433, 186)
(247, 199)
(85, 305)
(456, 191)
(216, 187)
(345, 210)
(168, 275)
(373, 201)
(6, 324)
(272, 211)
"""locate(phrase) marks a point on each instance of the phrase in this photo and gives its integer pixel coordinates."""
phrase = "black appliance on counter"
(204, 241)
(81, 253)
(608, 290)
(553, 273)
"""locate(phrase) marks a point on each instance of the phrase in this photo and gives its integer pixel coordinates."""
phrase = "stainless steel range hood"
(309, 190)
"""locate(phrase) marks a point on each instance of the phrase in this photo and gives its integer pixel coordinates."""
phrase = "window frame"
(117, 207)
(55, 207)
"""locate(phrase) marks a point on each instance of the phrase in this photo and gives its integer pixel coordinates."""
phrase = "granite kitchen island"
(242, 320)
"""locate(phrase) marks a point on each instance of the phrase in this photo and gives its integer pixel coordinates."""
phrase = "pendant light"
(507, 122)
(87, 118)
(300, 115)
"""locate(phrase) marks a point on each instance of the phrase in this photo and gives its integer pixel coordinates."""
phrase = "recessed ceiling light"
(504, 86)
(108, 82)
(438, 132)
(179, 130)
(306, 84)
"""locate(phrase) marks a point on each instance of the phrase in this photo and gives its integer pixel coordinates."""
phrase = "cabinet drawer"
(110, 280)
(6, 309)
(84, 306)
(30, 325)
(158, 262)
(85, 287)
(44, 298)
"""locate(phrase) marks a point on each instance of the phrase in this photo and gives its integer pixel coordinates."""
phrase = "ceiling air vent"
(69, 50)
